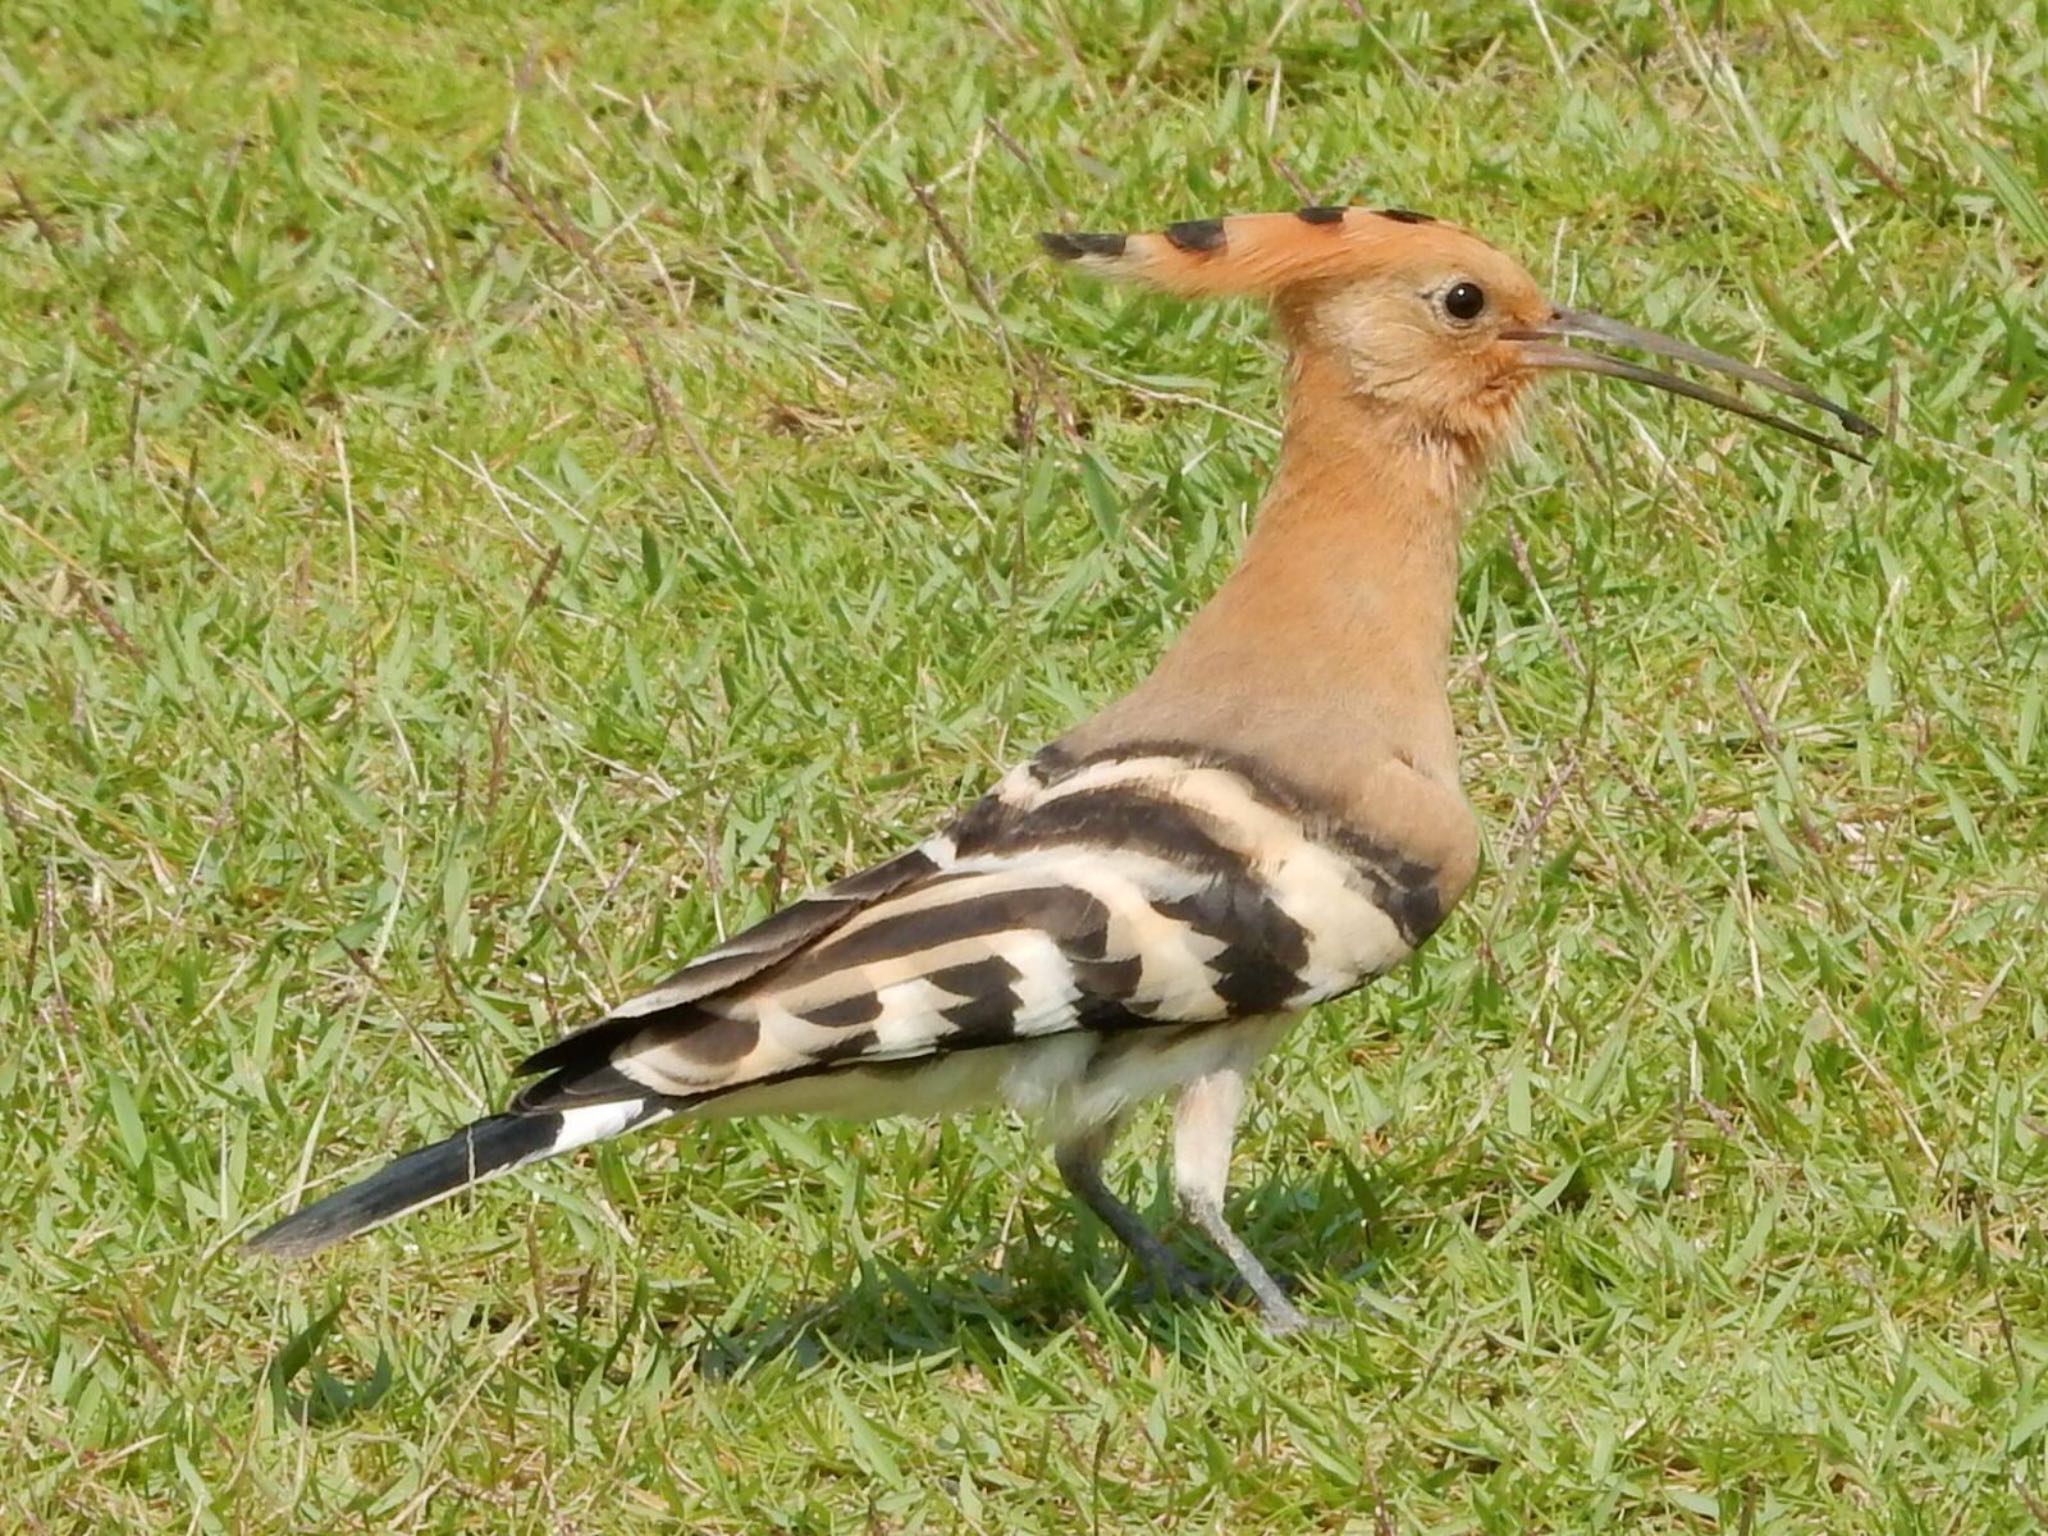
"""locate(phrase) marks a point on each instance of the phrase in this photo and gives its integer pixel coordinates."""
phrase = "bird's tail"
(477, 1152)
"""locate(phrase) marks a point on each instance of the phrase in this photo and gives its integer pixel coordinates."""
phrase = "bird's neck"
(1326, 652)
(1353, 556)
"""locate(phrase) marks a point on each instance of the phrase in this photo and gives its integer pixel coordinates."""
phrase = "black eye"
(1465, 301)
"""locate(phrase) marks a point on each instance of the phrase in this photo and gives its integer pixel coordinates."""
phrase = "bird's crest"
(1258, 253)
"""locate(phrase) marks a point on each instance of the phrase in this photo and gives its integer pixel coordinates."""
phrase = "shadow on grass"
(1063, 1276)
(890, 1314)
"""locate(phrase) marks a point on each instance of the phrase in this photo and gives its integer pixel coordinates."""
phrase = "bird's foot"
(1174, 1281)
(1279, 1316)
(1286, 1319)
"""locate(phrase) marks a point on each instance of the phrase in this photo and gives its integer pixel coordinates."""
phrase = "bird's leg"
(1204, 1126)
(1079, 1160)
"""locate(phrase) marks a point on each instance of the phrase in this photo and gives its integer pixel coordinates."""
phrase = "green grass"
(495, 497)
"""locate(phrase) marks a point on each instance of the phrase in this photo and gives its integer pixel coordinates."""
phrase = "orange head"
(1424, 320)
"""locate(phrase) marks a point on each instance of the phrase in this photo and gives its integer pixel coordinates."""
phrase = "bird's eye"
(1464, 301)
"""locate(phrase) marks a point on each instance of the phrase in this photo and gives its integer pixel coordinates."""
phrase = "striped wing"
(1158, 887)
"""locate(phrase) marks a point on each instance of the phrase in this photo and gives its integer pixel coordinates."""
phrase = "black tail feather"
(419, 1178)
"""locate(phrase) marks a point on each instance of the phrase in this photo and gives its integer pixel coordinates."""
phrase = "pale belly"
(1064, 1084)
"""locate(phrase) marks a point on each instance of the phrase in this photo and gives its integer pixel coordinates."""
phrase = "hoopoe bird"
(1270, 820)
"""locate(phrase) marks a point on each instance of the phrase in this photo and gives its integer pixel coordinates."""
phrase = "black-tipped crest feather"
(1074, 247)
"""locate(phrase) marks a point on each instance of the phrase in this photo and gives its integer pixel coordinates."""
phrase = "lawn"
(493, 497)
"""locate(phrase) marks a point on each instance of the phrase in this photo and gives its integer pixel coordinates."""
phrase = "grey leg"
(1080, 1164)
(1204, 1127)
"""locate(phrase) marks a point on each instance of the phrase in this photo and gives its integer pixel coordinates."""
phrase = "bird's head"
(1429, 324)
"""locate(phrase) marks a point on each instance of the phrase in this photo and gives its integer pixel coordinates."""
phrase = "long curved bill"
(1568, 324)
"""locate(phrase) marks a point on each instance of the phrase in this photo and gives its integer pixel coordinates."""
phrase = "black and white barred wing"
(1123, 894)
(1079, 900)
